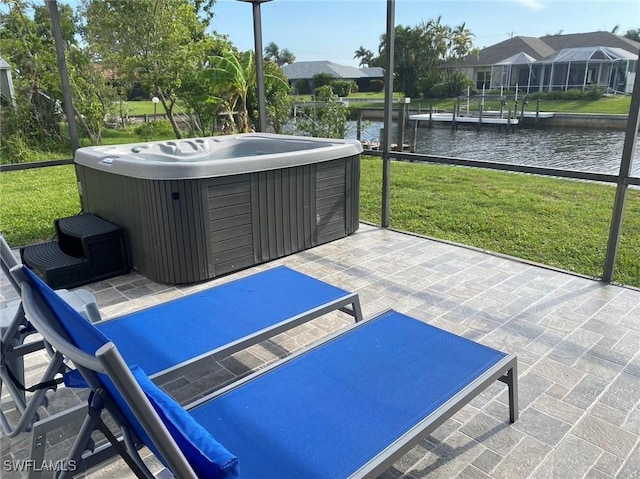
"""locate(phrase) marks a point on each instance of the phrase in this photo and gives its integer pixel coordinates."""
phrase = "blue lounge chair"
(348, 407)
(220, 320)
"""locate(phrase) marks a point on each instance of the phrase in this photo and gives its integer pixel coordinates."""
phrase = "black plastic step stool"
(87, 249)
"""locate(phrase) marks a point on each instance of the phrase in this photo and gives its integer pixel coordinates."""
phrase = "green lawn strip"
(32, 199)
(628, 260)
(556, 222)
(606, 105)
(146, 107)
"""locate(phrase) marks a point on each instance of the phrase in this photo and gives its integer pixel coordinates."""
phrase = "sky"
(334, 30)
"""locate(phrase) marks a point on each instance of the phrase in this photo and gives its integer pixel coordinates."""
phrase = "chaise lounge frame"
(14, 329)
(473, 379)
(330, 299)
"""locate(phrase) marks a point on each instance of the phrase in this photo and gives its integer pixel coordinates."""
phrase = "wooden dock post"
(508, 120)
(537, 109)
(414, 141)
(524, 102)
(402, 110)
(480, 117)
(453, 116)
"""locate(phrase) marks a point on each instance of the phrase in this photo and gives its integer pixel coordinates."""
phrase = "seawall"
(581, 120)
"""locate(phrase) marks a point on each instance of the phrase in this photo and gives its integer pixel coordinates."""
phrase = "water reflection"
(591, 150)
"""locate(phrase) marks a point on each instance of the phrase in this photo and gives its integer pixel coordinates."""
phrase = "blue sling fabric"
(329, 411)
(208, 457)
(168, 334)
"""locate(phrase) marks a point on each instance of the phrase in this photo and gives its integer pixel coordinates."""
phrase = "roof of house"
(592, 39)
(548, 48)
(304, 70)
(534, 47)
(518, 59)
(583, 54)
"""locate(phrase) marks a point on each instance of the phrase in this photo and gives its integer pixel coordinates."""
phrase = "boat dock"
(488, 117)
(448, 118)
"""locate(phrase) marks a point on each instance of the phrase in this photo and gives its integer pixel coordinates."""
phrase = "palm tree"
(365, 56)
(285, 58)
(272, 53)
(231, 76)
(461, 41)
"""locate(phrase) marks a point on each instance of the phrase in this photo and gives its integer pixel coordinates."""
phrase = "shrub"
(153, 129)
(376, 85)
(431, 86)
(592, 93)
(15, 149)
(302, 87)
(322, 79)
(342, 88)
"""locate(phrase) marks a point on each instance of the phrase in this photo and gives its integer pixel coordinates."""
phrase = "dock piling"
(524, 102)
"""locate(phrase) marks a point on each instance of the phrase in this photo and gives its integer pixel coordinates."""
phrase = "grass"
(32, 199)
(556, 222)
(559, 223)
(145, 107)
(605, 105)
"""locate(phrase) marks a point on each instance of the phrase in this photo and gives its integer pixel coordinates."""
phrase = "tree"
(459, 41)
(230, 76)
(278, 102)
(36, 118)
(365, 56)
(28, 45)
(633, 34)
(272, 53)
(423, 53)
(154, 43)
(195, 90)
(229, 81)
(327, 121)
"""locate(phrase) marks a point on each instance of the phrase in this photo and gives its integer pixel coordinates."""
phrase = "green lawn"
(32, 199)
(606, 105)
(560, 223)
(146, 107)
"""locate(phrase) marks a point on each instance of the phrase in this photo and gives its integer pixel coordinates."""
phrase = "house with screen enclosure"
(556, 62)
(305, 71)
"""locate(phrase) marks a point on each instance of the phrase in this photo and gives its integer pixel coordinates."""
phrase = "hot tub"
(197, 208)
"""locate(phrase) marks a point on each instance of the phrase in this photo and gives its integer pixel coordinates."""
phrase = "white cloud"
(534, 5)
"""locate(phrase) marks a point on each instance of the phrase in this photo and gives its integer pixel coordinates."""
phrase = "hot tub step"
(88, 249)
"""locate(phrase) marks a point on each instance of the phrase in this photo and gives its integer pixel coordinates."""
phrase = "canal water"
(580, 149)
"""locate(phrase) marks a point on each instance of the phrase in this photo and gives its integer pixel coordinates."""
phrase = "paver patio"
(577, 341)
